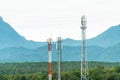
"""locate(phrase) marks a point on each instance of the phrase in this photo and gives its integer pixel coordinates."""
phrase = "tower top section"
(59, 39)
(49, 40)
(83, 22)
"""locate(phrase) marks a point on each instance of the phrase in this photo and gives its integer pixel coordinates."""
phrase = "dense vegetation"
(70, 71)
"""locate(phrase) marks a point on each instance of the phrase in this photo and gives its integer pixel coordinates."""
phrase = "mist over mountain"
(10, 38)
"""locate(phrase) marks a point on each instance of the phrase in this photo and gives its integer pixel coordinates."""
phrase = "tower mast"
(84, 65)
(59, 48)
(49, 59)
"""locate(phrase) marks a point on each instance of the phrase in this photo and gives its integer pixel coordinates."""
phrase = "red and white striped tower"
(49, 59)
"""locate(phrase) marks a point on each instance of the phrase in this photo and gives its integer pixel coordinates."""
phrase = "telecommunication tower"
(84, 65)
(49, 59)
(59, 49)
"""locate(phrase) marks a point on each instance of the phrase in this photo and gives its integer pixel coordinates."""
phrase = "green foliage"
(70, 71)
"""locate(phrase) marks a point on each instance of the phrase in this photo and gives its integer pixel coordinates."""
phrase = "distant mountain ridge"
(10, 38)
(69, 53)
(71, 42)
(108, 38)
(15, 48)
(110, 54)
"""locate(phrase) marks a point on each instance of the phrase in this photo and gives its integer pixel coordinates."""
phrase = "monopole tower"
(59, 49)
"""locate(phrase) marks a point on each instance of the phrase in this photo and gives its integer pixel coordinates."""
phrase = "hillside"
(10, 38)
(107, 38)
(15, 48)
(110, 54)
(69, 53)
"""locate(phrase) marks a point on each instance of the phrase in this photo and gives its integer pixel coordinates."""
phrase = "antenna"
(84, 65)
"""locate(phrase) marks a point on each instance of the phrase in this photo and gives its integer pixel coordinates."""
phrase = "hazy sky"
(37, 19)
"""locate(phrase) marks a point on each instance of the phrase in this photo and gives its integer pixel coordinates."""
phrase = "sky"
(40, 19)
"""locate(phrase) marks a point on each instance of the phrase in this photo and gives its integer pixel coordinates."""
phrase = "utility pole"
(59, 48)
(84, 65)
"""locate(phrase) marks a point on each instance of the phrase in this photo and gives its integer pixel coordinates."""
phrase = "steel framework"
(84, 65)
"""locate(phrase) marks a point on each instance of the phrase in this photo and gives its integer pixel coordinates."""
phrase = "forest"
(70, 71)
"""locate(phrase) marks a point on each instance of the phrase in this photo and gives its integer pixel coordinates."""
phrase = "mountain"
(71, 42)
(10, 38)
(69, 53)
(108, 38)
(110, 54)
(15, 48)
